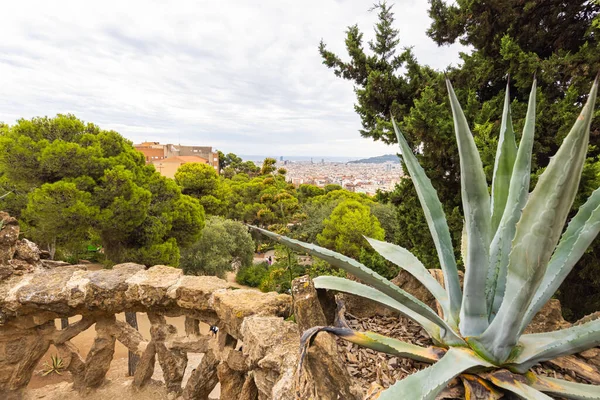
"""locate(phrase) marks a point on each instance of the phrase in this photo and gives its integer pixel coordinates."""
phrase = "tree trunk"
(131, 319)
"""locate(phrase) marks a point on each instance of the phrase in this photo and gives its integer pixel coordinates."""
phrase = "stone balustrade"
(254, 354)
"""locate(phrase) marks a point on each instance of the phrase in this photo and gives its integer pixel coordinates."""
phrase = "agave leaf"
(428, 383)
(517, 197)
(546, 346)
(361, 272)
(437, 329)
(514, 383)
(537, 234)
(407, 261)
(477, 388)
(436, 220)
(566, 389)
(476, 208)
(506, 154)
(378, 342)
(582, 231)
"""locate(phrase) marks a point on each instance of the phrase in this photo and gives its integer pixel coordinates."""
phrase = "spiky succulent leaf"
(480, 389)
(506, 154)
(537, 234)
(428, 383)
(516, 384)
(581, 232)
(438, 226)
(377, 342)
(411, 264)
(361, 272)
(476, 208)
(517, 197)
(541, 347)
(437, 328)
(566, 389)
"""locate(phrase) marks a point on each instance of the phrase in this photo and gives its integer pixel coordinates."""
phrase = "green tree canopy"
(224, 244)
(343, 231)
(102, 183)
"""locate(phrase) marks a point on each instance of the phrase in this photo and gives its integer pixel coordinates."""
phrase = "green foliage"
(252, 275)
(343, 231)
(268, 166)
(56, 366)
(58, 214)
(527, 255)
(224, 244)
(72, 181)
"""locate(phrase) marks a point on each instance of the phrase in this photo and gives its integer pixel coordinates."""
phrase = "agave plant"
(56, 366)
(515, 259)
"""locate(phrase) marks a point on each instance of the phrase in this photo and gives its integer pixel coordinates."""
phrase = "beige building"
(170, 165)
(165, 157)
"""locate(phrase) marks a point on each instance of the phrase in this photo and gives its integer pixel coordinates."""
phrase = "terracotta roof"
(186, 159)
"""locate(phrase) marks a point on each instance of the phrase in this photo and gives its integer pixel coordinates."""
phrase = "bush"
(253, 275)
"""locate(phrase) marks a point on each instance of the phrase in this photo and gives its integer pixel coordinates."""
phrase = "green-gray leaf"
(438, 227)
(408, 262)
(581, 232)
(566, 389)
(537, 233)
(361, 272)
(517, 197)
(428, 383)
(506, 154)
(546, 346)
(476, 209)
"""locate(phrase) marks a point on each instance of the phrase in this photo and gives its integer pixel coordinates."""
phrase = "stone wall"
(254, 354)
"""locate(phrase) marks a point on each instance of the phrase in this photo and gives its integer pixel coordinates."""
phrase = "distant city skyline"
(239, 76)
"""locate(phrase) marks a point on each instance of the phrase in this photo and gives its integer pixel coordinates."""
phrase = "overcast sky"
(242, 76)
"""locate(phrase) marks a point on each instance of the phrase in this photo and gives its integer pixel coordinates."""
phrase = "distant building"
(281, 158)
(170, 165)
(165, 157)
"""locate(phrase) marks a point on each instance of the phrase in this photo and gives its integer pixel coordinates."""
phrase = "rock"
(324, 375)
(149, 287)
(48, 290)
(20, 352)
(9, 234)
(232, 306)
(100, 355)
(548, 319)
(203, 379)
(106, 289)
(194, 293)
(49, 264)
(307, 308)
(588, 318)
(5, 271)
(27, 251)
(271, 348)
(232, 382)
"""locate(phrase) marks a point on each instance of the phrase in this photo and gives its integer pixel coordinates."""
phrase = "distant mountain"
(377, 160)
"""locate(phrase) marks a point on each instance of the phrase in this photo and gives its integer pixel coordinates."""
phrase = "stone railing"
(254, 354)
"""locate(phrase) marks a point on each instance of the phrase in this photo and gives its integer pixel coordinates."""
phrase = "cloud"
(241, 76)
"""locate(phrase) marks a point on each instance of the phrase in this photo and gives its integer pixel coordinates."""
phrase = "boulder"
(271, 348)
(27, 251)
(150, 287)
(232, 306)
(548, 319)
(9, 234)
(324, 374)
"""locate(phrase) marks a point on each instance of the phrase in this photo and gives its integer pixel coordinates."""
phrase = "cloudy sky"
(243, 76)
